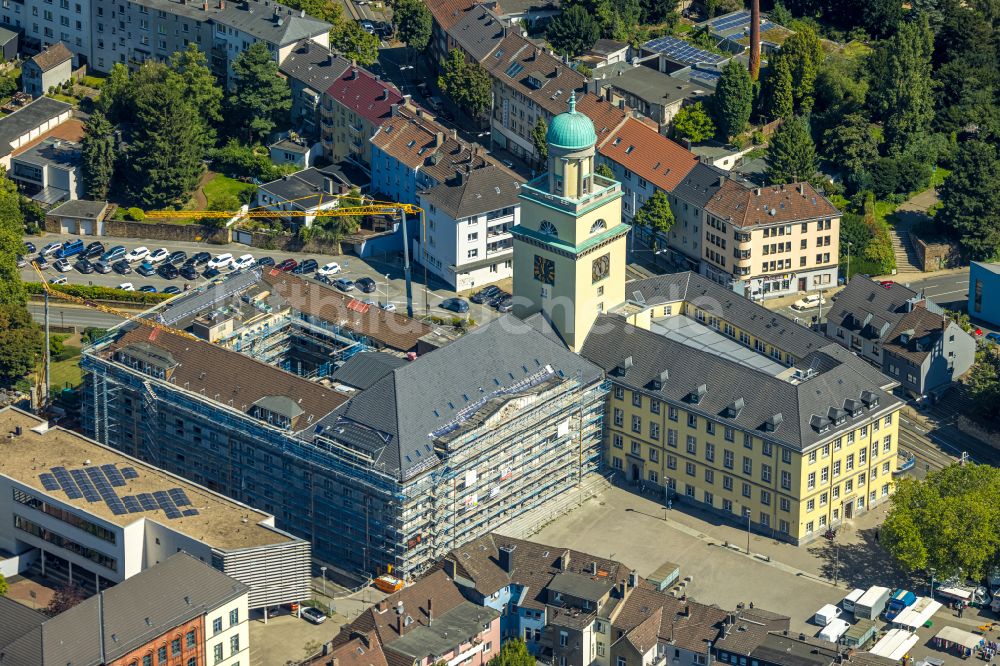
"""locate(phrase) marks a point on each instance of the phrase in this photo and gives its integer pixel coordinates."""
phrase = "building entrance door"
(802, 284)
(635, 472)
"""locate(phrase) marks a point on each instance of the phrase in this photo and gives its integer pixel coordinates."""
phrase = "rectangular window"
(619, 393)
(692, 420)
(654, 406)
(746, 489)
(654, 430)
(709, 476)
(728, 459)
(785, 504)
(216, 625)
(636, 423)
(747, 466)
(189, 639)
(727, 482)
(161, 654)
(636, 399)
(812, 457)
(836, 468)
(234, 617)
(654, 455)
(217, 653)
(692, 445)
(671, 462)
(710, 427)
(672, 437)
(765, 497)
(748, 441)
(619, 417)
(811, 480)
(786, 480)
(709, 452)
(729, 434)
(616, 440)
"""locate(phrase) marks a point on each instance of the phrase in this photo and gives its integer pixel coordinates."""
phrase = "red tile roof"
(365, 95)
(448, 12)
(607, 117)
(745, 207)
(648, 154)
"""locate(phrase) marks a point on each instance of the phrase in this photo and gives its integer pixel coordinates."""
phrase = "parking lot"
(388, 277)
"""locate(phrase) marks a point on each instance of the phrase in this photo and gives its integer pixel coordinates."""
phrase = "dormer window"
(695, 396)
(819, 424)
(773, 422)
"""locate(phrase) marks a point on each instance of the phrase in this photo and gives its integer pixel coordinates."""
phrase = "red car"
(287, 265)
(887, 283)
(978, 333)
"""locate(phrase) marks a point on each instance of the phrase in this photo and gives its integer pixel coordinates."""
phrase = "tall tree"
(355, 42)
(970, 199)
(20, 341)
(733, 99)
(65, 597)
(11, 245)
(779, 97)
(413, 23)
(853, 143)
(261, 98)
(880, 17)
(538, 134)
(113, 91)
(804, 54)
(466, 83)
(655, 214)
(164, 158)
(573, 31)
(201, 89)
(98, 156)
(902, 90)
(513, 653)
(693, 123)
(791, 155)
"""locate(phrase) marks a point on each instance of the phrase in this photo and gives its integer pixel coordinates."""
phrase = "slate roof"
(715, 299)
(16, 620)
(314, 65)
(516, 58)
(362, 649)
(362, 370)
(648, 154)
(474, 192)
(612, 340)
(744, 207)
(395, 418)
(28, 117)
(303, 189)
(862, 297)
(361, 92)
(646, 83)
(479, 32)
(607, 117)
(782, 650)
(700, 184)
(924, 329)
(533, 566)
(644, 636)
(746, 629)
(56, 54)
(135, 611)
(270, 22)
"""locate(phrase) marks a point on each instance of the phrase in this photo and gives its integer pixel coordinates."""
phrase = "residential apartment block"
(180, 612)
(908, 337)
(469, 218)
(816, 446)
(352, 110)
(48, 69)
(85, 514)
(49, 171)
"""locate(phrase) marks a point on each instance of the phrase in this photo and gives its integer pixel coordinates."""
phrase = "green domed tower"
(569, 248)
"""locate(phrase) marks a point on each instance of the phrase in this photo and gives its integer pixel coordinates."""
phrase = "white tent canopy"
(917, 615)
(961, 637)
(895, 645)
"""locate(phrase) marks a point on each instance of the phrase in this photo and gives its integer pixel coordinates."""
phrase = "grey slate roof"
(314, 65)
(271, 22)
(27, 118)
(728, 305)
(363, 370)
(394, 419)
(612, 340)
(16, 620)
(304, 189)
(479, 32)
(646, 83)
(80, 208)
(475, 192)
(700, 185)
(863, 297)
(52, 152)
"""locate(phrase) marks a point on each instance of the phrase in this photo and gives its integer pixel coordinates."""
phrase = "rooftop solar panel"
(48, 481)
(117, 508)
(179, 497)
(680, 51)
(130, 473)
(147, 502)
(172, 512)
(86, 485)
(190, 512)
(66, 482)
(132, 504)
(114, 475)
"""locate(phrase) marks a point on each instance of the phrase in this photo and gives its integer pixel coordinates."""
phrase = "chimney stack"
(328, 185)
(755, 39)
(385, 93)
(802, 189)
(633, 578)
(506, 553)
(222, 4)
(438, 139)
(430, 612)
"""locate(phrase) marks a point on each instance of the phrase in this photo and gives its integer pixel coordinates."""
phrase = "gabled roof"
(304, 189)
(531, 71)
(648, 154)
(478, 32)
(364, 94)
(646, 83)
(29, 117)
(448, 12)
(54, 55)
(362, 370)
(314, 65)
(863, 297)
(419, 142)
(361, 649)
(474, 192)
(923, 330)
(746, 207)
(687, 625)
(270, 22)
(607, 117)
(700, 184)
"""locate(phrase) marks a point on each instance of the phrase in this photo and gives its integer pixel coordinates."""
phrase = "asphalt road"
(72, 315)
(950, 290)
(391, 289)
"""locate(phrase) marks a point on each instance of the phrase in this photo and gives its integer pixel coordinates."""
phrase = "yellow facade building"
(720, 403)
(569, 249)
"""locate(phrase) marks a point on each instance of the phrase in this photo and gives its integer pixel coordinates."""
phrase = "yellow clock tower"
(569, 249)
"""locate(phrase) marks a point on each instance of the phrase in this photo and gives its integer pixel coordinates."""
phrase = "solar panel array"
(680, 51)
(730, 21)
(98, 483)
(708, 76)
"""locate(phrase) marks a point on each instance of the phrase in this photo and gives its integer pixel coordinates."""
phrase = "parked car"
(210, 273)
(245, 261)
(167, 271)
(94, 249)
(506, 305)
(265, 261)
(498, 298)
(994, 338)
(287, 265)
(137, 254)
(114, 254)
(84, 266)
(808, 302)
(60, 280)
(887, 283)
(365, 284)
(189, 272)
(121, 267)
(21, 261)
(148, 288)
(455, 305)
(221, 261)
(72, 248)
(199, 258)
(978, 333)
(178, 257)
(314, 615)
(126, 286)
(102, 267)
(41, 262)
(383, 29)
(485, 294)
(172, 289)
(146, 269)
(331, 268)
(389, 307)
(306, 267)
(50, 249)
(62, 265)
(367, 26)
(159, 255)
(344, 284)
(29, 248)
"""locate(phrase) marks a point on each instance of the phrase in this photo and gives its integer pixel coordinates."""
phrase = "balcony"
(604, 189)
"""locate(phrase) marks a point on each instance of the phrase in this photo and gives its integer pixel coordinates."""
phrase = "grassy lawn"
(63, 373)
(93, 81)
(222, 187)
(64, 98)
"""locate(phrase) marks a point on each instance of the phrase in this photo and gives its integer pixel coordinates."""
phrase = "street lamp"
(323, 569)
(387, 289)
(847, 277)
(748, 531)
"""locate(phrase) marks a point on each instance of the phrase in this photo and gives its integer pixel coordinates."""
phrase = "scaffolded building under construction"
(408, 461)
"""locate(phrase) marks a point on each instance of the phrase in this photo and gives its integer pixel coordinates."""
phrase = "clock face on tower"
(545, 270)
(601, 268)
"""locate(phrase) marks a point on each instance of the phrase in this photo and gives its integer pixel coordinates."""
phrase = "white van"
(826, 615)
(847, 603)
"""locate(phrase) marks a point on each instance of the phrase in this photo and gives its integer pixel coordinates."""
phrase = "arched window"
(548, 228)
(600, 225)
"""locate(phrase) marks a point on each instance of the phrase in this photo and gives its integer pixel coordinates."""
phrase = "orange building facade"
(184, 645)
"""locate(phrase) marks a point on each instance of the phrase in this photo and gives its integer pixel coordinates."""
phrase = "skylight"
(514, 69)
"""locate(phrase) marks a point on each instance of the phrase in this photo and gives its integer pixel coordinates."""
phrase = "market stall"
(957, 640)
(918, 614)
(895, 644)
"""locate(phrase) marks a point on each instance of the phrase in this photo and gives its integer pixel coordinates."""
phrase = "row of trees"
(582, 22)
(170, 116)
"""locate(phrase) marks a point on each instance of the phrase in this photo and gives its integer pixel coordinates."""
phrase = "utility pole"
(44, 397)
(847, 274)
(406, 269)
(748, 531)
(836, 565)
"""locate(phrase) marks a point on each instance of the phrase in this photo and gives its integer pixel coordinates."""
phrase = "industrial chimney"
(755, 39)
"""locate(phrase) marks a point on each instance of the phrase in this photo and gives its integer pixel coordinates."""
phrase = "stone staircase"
(902, 246)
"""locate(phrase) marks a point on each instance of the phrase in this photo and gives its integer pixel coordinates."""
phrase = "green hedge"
(100, 293)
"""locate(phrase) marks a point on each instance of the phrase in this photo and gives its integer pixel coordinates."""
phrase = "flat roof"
(218, 523)
(27, 118)
(694, 334)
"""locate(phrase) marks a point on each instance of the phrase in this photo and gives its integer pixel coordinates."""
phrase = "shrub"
(100, 293)
(135, 214)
